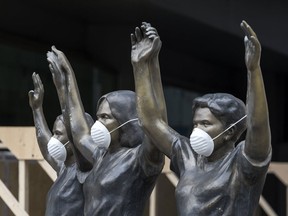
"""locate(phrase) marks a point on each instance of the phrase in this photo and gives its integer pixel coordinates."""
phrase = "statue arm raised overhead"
(43, 133)
(258, 137)
(73, 112)
(151, 107)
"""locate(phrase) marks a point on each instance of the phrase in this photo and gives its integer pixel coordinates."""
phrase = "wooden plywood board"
(21, 141)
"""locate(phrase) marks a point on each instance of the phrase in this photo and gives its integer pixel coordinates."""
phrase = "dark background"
(202, 52)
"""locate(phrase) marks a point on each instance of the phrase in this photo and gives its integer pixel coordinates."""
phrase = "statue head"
(226, 108)
(122, 104)
(60, 131)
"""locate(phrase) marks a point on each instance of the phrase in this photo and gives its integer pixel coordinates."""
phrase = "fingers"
(145, 31)
(246, 40)
(55, 51)
(151, 33)
(51, 68)
(255, 44)
(146, 24)
(152, 30)
(53, 48)
(50, 57)
(133, 39)
(39, 81)
(31, 94)
(38, 86)
(34, 79)
(138, 34)
(144, 27)
(252, 42)
(255, 41)
(54, 54)
(247, 30)
(244, 27)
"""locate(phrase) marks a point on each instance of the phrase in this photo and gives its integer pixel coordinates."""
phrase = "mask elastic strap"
(230, 127)
(66, 143)
(135, 119)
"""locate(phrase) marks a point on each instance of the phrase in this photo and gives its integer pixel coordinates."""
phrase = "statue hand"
(57, 65)
(145, 43)
(36, 95)
(153, 35)
(252, 47)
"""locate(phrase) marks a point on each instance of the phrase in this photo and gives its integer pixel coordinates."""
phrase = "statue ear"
(230, 133)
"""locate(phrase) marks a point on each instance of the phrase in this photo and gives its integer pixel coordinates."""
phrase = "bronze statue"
(65, 197)
(215, 177)
(123, 175)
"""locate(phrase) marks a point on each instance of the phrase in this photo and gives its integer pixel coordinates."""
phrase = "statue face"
(59, 132)
(104, 115)
(205, 120)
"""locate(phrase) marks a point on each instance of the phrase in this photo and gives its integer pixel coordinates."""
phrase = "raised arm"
(258, 137)
(74, 112)
(154, 69)
(151, 107)
(43, 133)
(59, 82)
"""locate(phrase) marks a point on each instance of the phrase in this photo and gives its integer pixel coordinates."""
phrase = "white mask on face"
(100, 134)
(56, 149)
(202, 143)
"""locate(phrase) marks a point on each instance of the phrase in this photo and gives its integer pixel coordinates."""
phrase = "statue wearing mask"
(216, 176)
(65, 197)
(123, 175)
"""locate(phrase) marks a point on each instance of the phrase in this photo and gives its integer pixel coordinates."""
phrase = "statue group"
(109, 167)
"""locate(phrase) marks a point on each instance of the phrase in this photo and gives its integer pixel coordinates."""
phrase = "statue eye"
(58, 133)
(105, 116)
(205, 123)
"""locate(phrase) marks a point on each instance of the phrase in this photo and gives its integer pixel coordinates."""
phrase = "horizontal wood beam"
(21, 141)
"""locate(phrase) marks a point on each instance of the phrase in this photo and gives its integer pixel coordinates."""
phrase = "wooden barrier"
(21, 141)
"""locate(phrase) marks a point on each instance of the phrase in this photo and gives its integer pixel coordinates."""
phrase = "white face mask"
(56, 149)
(202, 143)
(100, 134)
